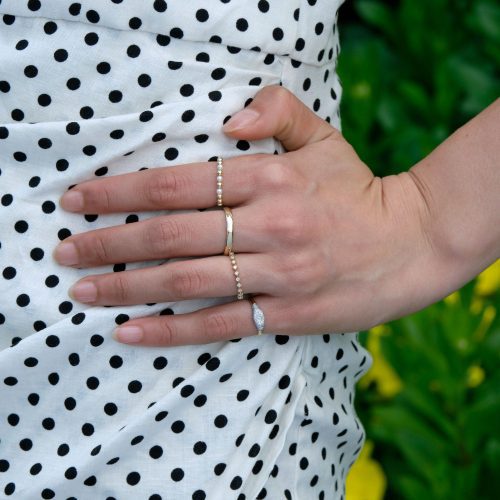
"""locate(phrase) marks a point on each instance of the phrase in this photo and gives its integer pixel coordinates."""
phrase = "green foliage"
(413, 72)
(440, 434)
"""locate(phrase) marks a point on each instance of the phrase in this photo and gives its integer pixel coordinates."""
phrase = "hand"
(323, 244)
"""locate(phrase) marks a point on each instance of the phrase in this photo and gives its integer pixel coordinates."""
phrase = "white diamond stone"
(258, 317)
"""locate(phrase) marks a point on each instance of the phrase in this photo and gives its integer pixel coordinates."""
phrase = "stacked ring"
(229, 230)
(257, 313)
(239, 287)
(219, 181)
(228, 250)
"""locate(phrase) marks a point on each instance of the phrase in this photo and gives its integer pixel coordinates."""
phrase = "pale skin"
(322, 244)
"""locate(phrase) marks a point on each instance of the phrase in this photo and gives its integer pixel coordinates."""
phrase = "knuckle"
(217, 326)
(162, 189)
(97, 198)
(280, 95)
(187, 283)
(164, 234)
(276, 175)
(300, 272)
(121, 288)
(99, 250)
(167, 332)
(105, 199)
(287, 228)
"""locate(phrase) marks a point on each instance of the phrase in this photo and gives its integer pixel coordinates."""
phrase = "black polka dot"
(91, 38)
(22, 44)
(21, 226)
(73, 83)
(241, 24)
(103, 68)
(34, 5)
(160, 5)
(92, 16)
(17, 115)
(171, 154)
(115, 96)
(34, 181)
(144, 80)
(72, 128)
(75, 8)
(133, 51)
(135, 23)
(177, 474)
(133, 478)
(218, 73)
(44, 100)
(202, 15)
(7, 199)
(4, 86)
(263, 6)
(60, 55)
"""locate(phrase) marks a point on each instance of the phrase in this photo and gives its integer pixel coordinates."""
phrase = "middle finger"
(168, 236)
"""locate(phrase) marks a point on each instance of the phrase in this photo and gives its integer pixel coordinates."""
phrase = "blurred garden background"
(412, 72)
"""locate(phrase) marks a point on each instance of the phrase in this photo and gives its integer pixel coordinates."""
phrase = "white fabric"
(96, 88)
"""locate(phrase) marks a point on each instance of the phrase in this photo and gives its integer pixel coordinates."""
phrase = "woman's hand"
(323, 244)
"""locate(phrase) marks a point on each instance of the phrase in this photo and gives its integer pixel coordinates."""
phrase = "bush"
(412, 73)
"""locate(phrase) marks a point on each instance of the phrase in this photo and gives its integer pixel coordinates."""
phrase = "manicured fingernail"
(128, 334)
(72, 201)
(66, 254)
(84, 292)
(240, 120)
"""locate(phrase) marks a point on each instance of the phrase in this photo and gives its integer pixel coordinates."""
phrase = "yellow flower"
(452, 299)
(381, 373)
(475, 376)
(366, 479)
(489, 314)
(488, 282)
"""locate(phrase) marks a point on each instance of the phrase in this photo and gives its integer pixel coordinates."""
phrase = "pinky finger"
(213, 324)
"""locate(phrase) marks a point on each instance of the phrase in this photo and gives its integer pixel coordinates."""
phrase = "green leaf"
(486, 15)
(425, 404)
(376, 14)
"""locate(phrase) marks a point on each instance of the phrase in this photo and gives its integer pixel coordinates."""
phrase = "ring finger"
(181, 280)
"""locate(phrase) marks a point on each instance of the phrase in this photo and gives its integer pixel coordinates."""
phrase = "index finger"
(189, 186)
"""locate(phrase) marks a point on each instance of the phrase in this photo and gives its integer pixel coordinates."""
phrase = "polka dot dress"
(102, 87)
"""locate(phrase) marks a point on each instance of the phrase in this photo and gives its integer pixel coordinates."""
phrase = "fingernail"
(128, 334)
(66, 254)
(84, 292)
(72, 201)
(240, 120)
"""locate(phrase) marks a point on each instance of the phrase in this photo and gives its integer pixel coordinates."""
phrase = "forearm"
(460, 184)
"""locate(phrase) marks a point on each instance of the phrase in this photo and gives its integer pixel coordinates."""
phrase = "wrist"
(425, 273)
(454, 252)
(459, 182)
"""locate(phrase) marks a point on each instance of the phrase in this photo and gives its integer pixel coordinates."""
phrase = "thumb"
(276, 112)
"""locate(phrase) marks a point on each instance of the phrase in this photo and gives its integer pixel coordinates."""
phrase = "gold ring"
(239, 288)
(219, 181)
(229, 231)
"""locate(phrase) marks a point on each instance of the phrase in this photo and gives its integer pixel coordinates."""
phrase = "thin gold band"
(229, 231)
